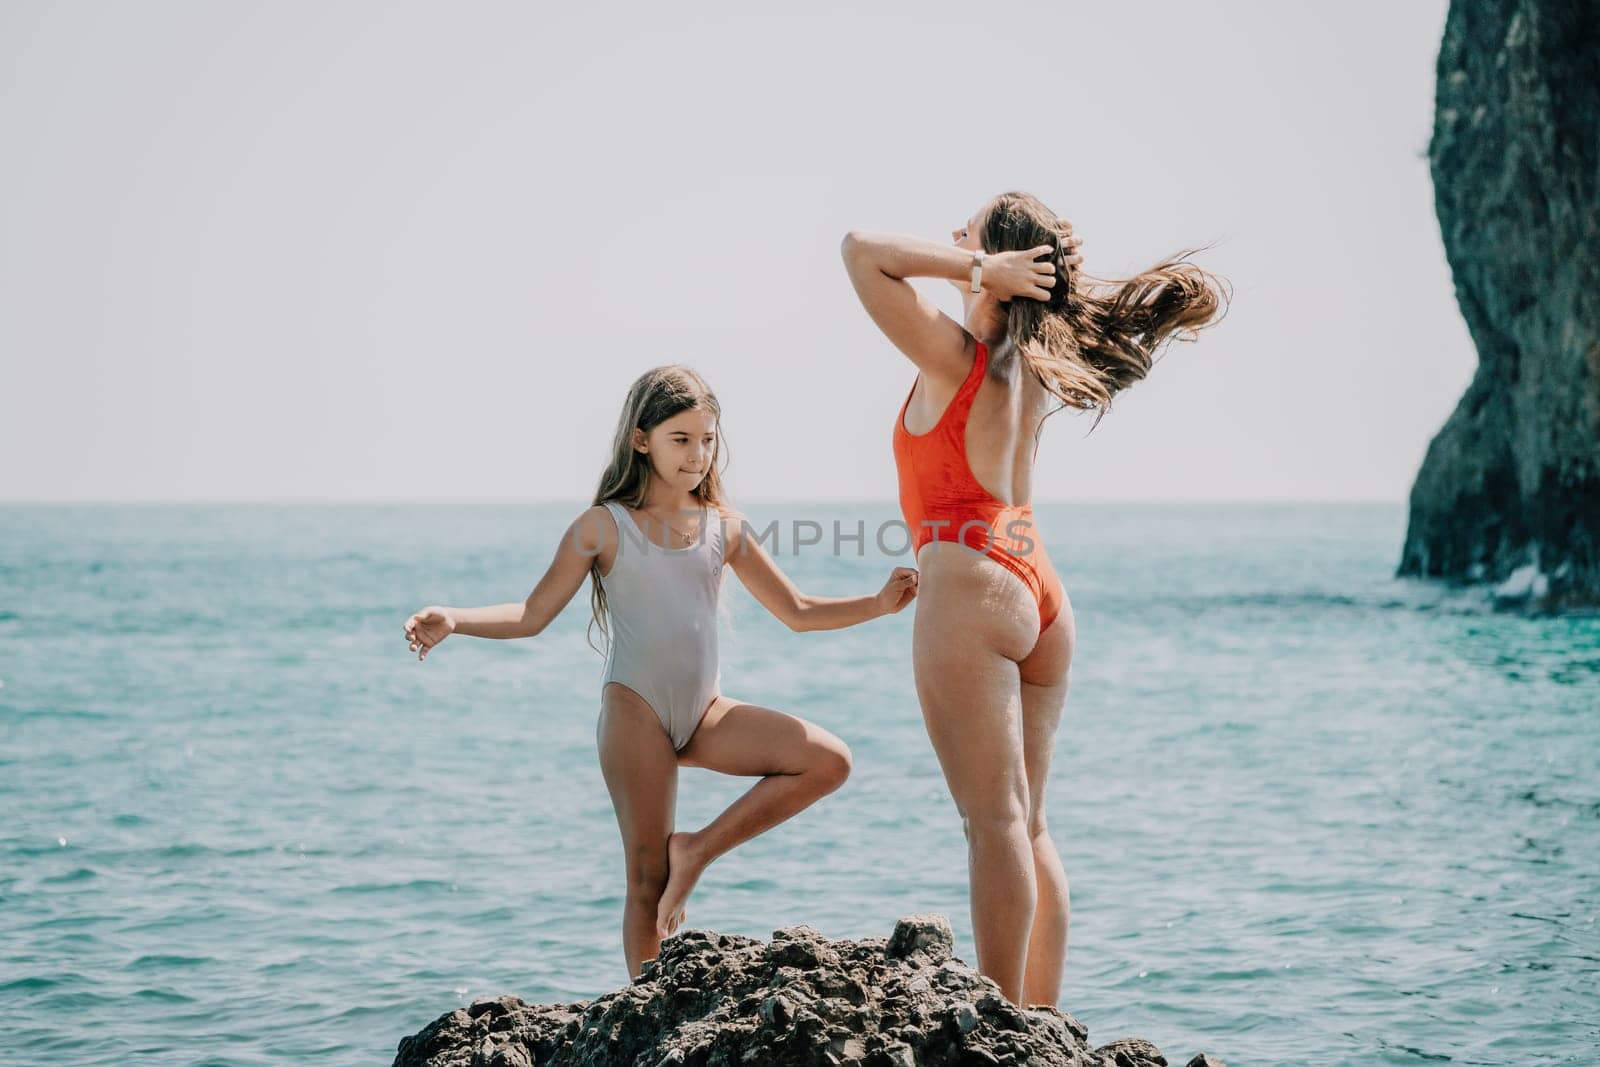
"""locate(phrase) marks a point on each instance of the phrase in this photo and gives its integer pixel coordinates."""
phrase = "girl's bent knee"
(832, 767)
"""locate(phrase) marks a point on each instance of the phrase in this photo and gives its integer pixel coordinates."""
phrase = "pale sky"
(361, 251)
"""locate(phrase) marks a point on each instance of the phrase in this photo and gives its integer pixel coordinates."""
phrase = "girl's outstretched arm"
(800, 611)
(592, 535)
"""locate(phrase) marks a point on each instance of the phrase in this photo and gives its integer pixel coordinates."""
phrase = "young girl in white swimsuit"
(654, 545)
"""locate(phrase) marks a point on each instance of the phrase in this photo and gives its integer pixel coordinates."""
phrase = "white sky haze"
(363, 251)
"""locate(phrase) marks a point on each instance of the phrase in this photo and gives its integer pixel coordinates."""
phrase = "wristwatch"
(977, 271)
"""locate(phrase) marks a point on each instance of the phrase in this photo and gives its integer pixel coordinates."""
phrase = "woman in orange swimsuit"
(993, 637)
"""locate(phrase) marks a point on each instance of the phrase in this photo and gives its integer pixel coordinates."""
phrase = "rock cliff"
(1509, 492)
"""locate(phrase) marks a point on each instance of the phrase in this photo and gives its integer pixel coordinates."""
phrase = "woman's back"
(1002, 426)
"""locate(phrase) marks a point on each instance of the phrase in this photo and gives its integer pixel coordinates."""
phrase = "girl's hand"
(427, 628)
(898, 591)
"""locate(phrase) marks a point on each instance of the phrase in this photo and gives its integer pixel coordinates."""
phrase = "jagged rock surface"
(1509, 492)
(720, 1000)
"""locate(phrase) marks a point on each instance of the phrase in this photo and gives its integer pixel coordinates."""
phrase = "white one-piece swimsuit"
(662, 612)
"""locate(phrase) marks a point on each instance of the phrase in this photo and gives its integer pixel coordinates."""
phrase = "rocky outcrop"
(719, 1000)
(1509, 492)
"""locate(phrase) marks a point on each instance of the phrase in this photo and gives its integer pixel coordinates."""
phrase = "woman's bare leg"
(1044, 694)
(641, 772)
(974, 622)
(798, 762)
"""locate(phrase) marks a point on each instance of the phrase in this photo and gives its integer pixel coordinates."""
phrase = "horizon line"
(501, 501)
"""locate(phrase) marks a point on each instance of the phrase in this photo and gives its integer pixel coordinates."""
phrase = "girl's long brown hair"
(654, 397)
(1095, 337)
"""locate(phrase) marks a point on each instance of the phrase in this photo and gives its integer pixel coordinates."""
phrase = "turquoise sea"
(1311, 814)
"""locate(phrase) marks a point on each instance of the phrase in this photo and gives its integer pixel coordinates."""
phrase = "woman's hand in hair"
(1071, 244)
(1030, 272)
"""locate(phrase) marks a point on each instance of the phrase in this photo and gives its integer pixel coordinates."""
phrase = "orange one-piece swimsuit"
(942, 500)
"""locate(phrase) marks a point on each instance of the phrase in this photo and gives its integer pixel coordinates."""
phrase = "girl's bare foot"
(683, 871)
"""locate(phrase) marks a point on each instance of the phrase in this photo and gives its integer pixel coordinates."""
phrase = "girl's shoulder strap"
(627, 531)
(722, 516)
(612, 507)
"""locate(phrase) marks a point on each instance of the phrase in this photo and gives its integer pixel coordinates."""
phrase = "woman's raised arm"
(880, 263)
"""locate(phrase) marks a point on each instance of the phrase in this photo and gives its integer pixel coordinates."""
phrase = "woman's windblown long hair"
(1095, 337)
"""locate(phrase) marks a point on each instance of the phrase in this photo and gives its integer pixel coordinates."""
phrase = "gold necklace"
(686, 538)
